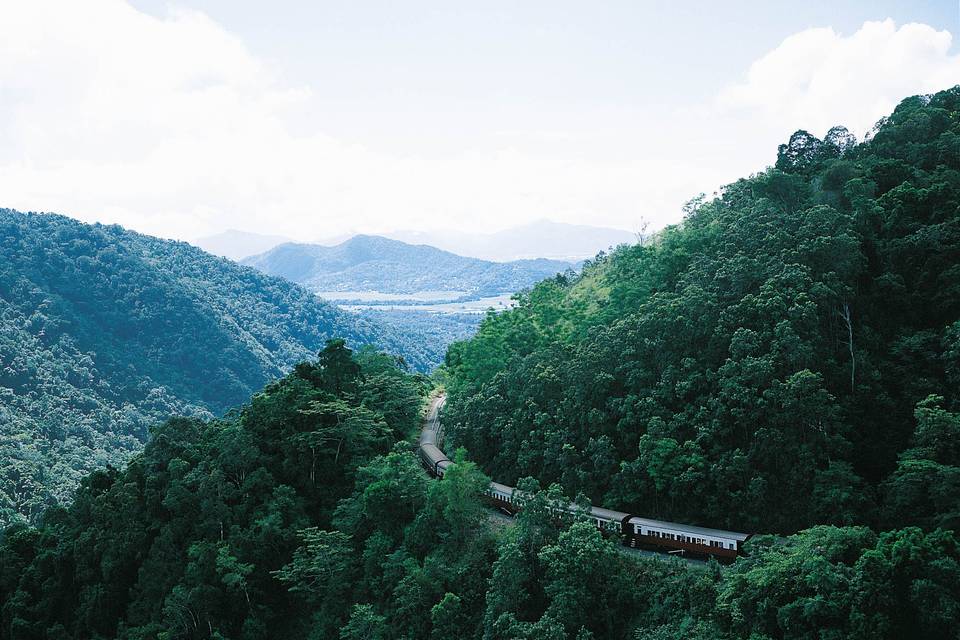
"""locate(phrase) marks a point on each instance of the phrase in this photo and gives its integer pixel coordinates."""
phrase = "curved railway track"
(633, 530)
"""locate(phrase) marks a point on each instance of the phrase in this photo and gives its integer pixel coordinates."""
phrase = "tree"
(364, 624)
(320, 565)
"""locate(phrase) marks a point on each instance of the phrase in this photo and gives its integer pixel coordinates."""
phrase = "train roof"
(688, 528)
(433, 453)
(502, 488)
(607, 514)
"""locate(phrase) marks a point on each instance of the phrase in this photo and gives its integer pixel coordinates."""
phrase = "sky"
(316, 119)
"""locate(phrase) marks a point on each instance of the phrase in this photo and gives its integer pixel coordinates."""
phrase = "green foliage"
(925, 487)
(105, 332)
(845, 583)
(240, 528)
(219, 528)
(755, 367)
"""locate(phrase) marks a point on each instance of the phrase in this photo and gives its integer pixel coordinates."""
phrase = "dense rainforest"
(788, 355)
(306, 514)
(105, 332)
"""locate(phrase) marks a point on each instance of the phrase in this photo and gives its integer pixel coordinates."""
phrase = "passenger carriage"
(685, 538)
(634, 531)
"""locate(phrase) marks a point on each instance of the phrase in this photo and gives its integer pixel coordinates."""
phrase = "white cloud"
(172, 126)
(818, 78)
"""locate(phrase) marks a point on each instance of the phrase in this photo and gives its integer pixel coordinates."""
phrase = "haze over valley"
(538, 239)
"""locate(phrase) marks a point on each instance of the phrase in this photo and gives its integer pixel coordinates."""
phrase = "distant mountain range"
(237, 245)
(375, 263)
(542, 239)
(105, 332)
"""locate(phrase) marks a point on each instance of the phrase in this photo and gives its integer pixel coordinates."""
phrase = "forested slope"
(788, 355)
(302, 515)
(105, 332)
(182, 542)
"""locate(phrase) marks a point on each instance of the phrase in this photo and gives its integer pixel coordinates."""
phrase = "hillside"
(105, 332)
(303, 514)
(373, 263)
(787, 356)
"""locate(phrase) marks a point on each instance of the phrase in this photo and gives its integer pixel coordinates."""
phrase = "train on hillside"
(634, 531)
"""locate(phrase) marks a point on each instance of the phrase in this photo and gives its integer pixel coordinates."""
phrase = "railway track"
(641, 536)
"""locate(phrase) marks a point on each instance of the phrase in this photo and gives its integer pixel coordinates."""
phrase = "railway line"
(639, 534)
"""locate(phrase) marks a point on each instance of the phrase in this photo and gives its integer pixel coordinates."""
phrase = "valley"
(742, 425)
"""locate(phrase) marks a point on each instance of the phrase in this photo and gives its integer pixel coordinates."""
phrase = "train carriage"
(683, 537)
(502, 497)
(433, 459)
(608, 521)
(634, 531)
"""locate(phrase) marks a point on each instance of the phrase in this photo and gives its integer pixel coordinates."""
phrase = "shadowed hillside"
(105, 331)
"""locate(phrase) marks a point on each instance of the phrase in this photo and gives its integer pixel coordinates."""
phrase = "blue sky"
(318, 118)
(385, 68)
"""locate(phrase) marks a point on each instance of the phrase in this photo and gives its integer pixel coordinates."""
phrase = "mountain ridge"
(538, 239)
(377, 263)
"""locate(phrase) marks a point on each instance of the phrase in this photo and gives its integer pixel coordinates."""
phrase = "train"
(633, 530)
